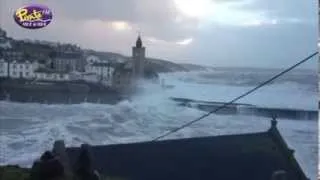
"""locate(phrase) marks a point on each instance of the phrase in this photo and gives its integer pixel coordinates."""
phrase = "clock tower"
(138, 57)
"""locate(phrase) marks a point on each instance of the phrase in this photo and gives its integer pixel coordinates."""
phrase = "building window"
(14, 66)
(27, 66)
(27, 73)
(21, 66)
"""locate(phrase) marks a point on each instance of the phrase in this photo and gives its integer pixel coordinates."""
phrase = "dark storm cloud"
(263, 46)
(154, 18)
(245, 33)
(296, 8)
(283, 8)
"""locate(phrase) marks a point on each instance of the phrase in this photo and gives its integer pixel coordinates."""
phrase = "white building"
(92, 59)
(90, 77)
(75, 75)
(67, 61)
(5, 44)
(103, 70)
(85, 76)
(22, 69)
(3, 68)
(43, 74)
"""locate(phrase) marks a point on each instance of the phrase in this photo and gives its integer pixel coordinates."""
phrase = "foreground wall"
(59, 93)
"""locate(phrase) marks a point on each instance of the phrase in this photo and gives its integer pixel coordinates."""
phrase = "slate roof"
(253, 156)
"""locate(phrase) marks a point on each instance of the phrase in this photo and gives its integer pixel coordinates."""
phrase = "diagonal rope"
(237, 98)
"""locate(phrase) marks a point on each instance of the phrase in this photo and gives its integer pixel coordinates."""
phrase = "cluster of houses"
(64, 67)
(70, 63)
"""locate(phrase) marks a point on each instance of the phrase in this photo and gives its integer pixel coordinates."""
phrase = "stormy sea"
(28, 129)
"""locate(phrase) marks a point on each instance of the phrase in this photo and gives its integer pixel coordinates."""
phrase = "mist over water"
(29, 129)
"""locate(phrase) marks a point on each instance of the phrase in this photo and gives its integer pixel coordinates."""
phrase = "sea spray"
(151, 113)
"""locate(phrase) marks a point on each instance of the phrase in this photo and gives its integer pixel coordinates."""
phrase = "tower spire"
(139, 41)
(138, 55)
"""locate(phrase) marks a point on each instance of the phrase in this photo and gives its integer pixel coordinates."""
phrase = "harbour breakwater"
(74, 92)
(248, 109)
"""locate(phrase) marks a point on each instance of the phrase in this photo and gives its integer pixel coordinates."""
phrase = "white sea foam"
(29, 129)
(285, 95)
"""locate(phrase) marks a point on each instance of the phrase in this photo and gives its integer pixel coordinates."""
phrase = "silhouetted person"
(47, 168)
(84, 169)
(59, 151)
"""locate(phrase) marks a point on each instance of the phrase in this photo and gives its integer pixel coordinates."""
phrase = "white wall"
(3, 68)
(92, 59)
(103, 73)
(35, 65)
(15, 70)
(100, 70)
(22, 69)
(107, 75)
(40, 76)
(52, 76)
(90, 77)
(66, 77)
(111, 72)
(26, 70)
(91, 69)
(75, 76)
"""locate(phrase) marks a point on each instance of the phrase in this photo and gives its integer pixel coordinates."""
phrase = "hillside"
(159, 65)
(43, 51)
(195, 67)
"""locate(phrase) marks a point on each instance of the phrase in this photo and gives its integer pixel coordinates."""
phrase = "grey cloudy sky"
(272, 33)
